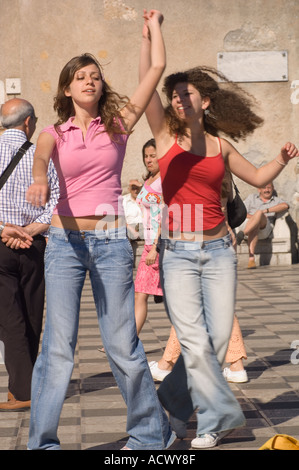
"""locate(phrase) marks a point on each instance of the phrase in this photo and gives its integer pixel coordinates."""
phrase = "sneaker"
(251, 264)
(235, 376)
(240, 237)
(205, 441)
(157, 374)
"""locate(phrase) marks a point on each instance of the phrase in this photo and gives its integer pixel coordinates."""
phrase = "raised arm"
(258, 177)
(154, 111)
(38, 193)
(150, 79)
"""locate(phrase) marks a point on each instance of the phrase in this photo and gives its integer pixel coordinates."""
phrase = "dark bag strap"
(235, 187)
(9, 169)
(232, 181)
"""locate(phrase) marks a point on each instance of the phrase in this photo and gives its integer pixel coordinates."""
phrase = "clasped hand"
(16, 237)
(149, 18)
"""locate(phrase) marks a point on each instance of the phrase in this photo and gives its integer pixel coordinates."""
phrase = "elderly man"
(22, 248)
(262, 210)
(132, 210)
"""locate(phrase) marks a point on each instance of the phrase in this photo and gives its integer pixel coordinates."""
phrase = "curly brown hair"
(230, 110)
(109, 105)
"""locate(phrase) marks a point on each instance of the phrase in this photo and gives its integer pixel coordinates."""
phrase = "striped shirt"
(14, 208)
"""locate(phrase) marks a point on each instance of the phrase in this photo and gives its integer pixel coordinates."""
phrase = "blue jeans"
(199, 284)
(108, 257)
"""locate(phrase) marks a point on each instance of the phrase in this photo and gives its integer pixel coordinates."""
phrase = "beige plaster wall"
(37, 38)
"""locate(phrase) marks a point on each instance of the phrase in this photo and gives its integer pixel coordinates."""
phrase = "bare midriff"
(217, 232)
(99, 222)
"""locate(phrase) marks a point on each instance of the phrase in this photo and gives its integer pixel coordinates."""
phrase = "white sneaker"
(205, 441)
(157, 374)
(236, 376)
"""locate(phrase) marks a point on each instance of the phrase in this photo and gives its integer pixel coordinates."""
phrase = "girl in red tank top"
(199, 274)
(193, 183)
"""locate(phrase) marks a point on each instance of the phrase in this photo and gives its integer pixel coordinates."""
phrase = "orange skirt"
(235, 351)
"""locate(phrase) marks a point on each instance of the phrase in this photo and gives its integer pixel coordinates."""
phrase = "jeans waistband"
(223, 242)
(111, 233)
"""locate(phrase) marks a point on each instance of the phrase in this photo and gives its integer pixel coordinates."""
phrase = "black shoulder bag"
(236, 209)
(15, 160)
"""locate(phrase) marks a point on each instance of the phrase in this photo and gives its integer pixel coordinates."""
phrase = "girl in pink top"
(147, 280)
(198, 268)
(88, 233)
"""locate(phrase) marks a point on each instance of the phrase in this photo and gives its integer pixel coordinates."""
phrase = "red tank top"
(191, 187)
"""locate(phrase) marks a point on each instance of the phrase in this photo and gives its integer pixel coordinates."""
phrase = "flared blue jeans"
(199, 284)
(108, 257)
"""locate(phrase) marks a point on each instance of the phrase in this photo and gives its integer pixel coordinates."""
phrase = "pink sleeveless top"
(89, 170)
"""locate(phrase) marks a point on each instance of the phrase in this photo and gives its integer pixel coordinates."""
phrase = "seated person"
(262, 210)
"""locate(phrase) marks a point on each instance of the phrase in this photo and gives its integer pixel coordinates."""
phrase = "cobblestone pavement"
(94, 415)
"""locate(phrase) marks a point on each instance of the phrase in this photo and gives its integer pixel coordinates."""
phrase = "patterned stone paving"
(94, 415)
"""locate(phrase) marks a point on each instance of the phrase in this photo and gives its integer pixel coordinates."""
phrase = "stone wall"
(39, 36)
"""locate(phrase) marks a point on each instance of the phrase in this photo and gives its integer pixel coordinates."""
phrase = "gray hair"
(17, 116)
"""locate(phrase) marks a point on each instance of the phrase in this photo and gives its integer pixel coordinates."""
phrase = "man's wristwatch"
(2, 227)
